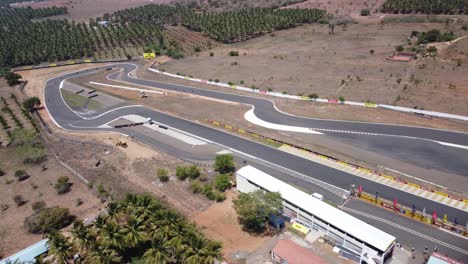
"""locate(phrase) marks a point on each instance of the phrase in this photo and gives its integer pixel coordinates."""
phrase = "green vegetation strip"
(77, 101)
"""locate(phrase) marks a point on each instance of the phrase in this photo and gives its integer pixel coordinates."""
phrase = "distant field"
(308, 60)
(83, 9)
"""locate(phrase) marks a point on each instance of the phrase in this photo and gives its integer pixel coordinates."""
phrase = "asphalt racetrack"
(66, 118)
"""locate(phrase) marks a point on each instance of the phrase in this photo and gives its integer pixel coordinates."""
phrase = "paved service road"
(67, 119)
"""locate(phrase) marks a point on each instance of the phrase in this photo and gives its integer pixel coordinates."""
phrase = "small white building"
(369, 244)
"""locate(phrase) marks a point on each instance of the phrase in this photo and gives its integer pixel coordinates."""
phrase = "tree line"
(451, 7)
(27, 36)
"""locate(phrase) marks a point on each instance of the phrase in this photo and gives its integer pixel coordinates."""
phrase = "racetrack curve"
(64, 117)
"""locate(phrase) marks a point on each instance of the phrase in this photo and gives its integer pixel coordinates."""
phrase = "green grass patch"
(77, 101)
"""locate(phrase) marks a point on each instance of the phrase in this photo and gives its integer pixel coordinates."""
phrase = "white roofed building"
(369, 244)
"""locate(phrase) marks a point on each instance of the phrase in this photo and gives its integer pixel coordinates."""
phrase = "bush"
(196, 187)
(233, 53)
(399, 48)
(465, 28)
(216, 80)
(341, 99)
(181, 173)
(224, 164)
(222, 182)
(30, 103)
(19, 200)
(21, 175)
(365, 12)
(241, 82)
(163, 175)
(211, 54)
(432, 49)
(63, 185)
(2, 172)
(284, 92)
(371, 51)
(38, 205)
(219, 197)
(208, 192)
(313, 96)
(193, 172)
(48, 219)
(197, 49)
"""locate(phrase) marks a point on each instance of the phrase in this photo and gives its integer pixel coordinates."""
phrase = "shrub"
(211, 54)
(241, 82)
(48, 219)
(193, 172)
(371, 51)
(313, 96)
(197, 49)
(432, 49)
(399, 48)
(208, 192)
(78, 202)
(230, 83)
(270, 90)
(196, 187)
(219, 197)
(63, 185)
(21, 175)
(102, 191)
(284, 92)
(30, 103)
(216, 80)
(181, 173)
(2, 172)
(224, 164)
(222, 182)
(365, 12)
(465, 28)
(341, 99)
(90, 185)
(38, 205)
(233, 53)
(19, 200)
(459, 63)
(163, 175)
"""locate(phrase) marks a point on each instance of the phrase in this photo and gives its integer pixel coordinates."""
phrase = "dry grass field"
(307, 60)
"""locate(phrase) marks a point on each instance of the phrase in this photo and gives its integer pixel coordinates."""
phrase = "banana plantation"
(451, 7)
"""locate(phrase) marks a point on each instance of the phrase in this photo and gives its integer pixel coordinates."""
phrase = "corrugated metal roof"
(28, 254)
(347, 223)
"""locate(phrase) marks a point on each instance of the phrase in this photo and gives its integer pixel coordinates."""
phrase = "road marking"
(404, 228)
(127, 88)
(252, 118)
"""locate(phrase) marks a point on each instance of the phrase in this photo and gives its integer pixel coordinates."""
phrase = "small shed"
(29, 254)
(288, 252)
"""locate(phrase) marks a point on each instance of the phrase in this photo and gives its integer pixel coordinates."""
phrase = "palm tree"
(59, 247)
(201, 251)
(112, 236)
(134, 231)
(113, 210)
(83, 236)
(159, 252)
(103, 256)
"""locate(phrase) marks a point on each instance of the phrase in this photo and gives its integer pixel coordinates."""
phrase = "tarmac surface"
(64, 117)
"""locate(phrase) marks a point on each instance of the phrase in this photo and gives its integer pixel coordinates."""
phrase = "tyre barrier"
(327, 157)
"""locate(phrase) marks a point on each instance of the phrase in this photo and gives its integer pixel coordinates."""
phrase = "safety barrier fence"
(420, 216)
(327, 157)
(306, 98)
